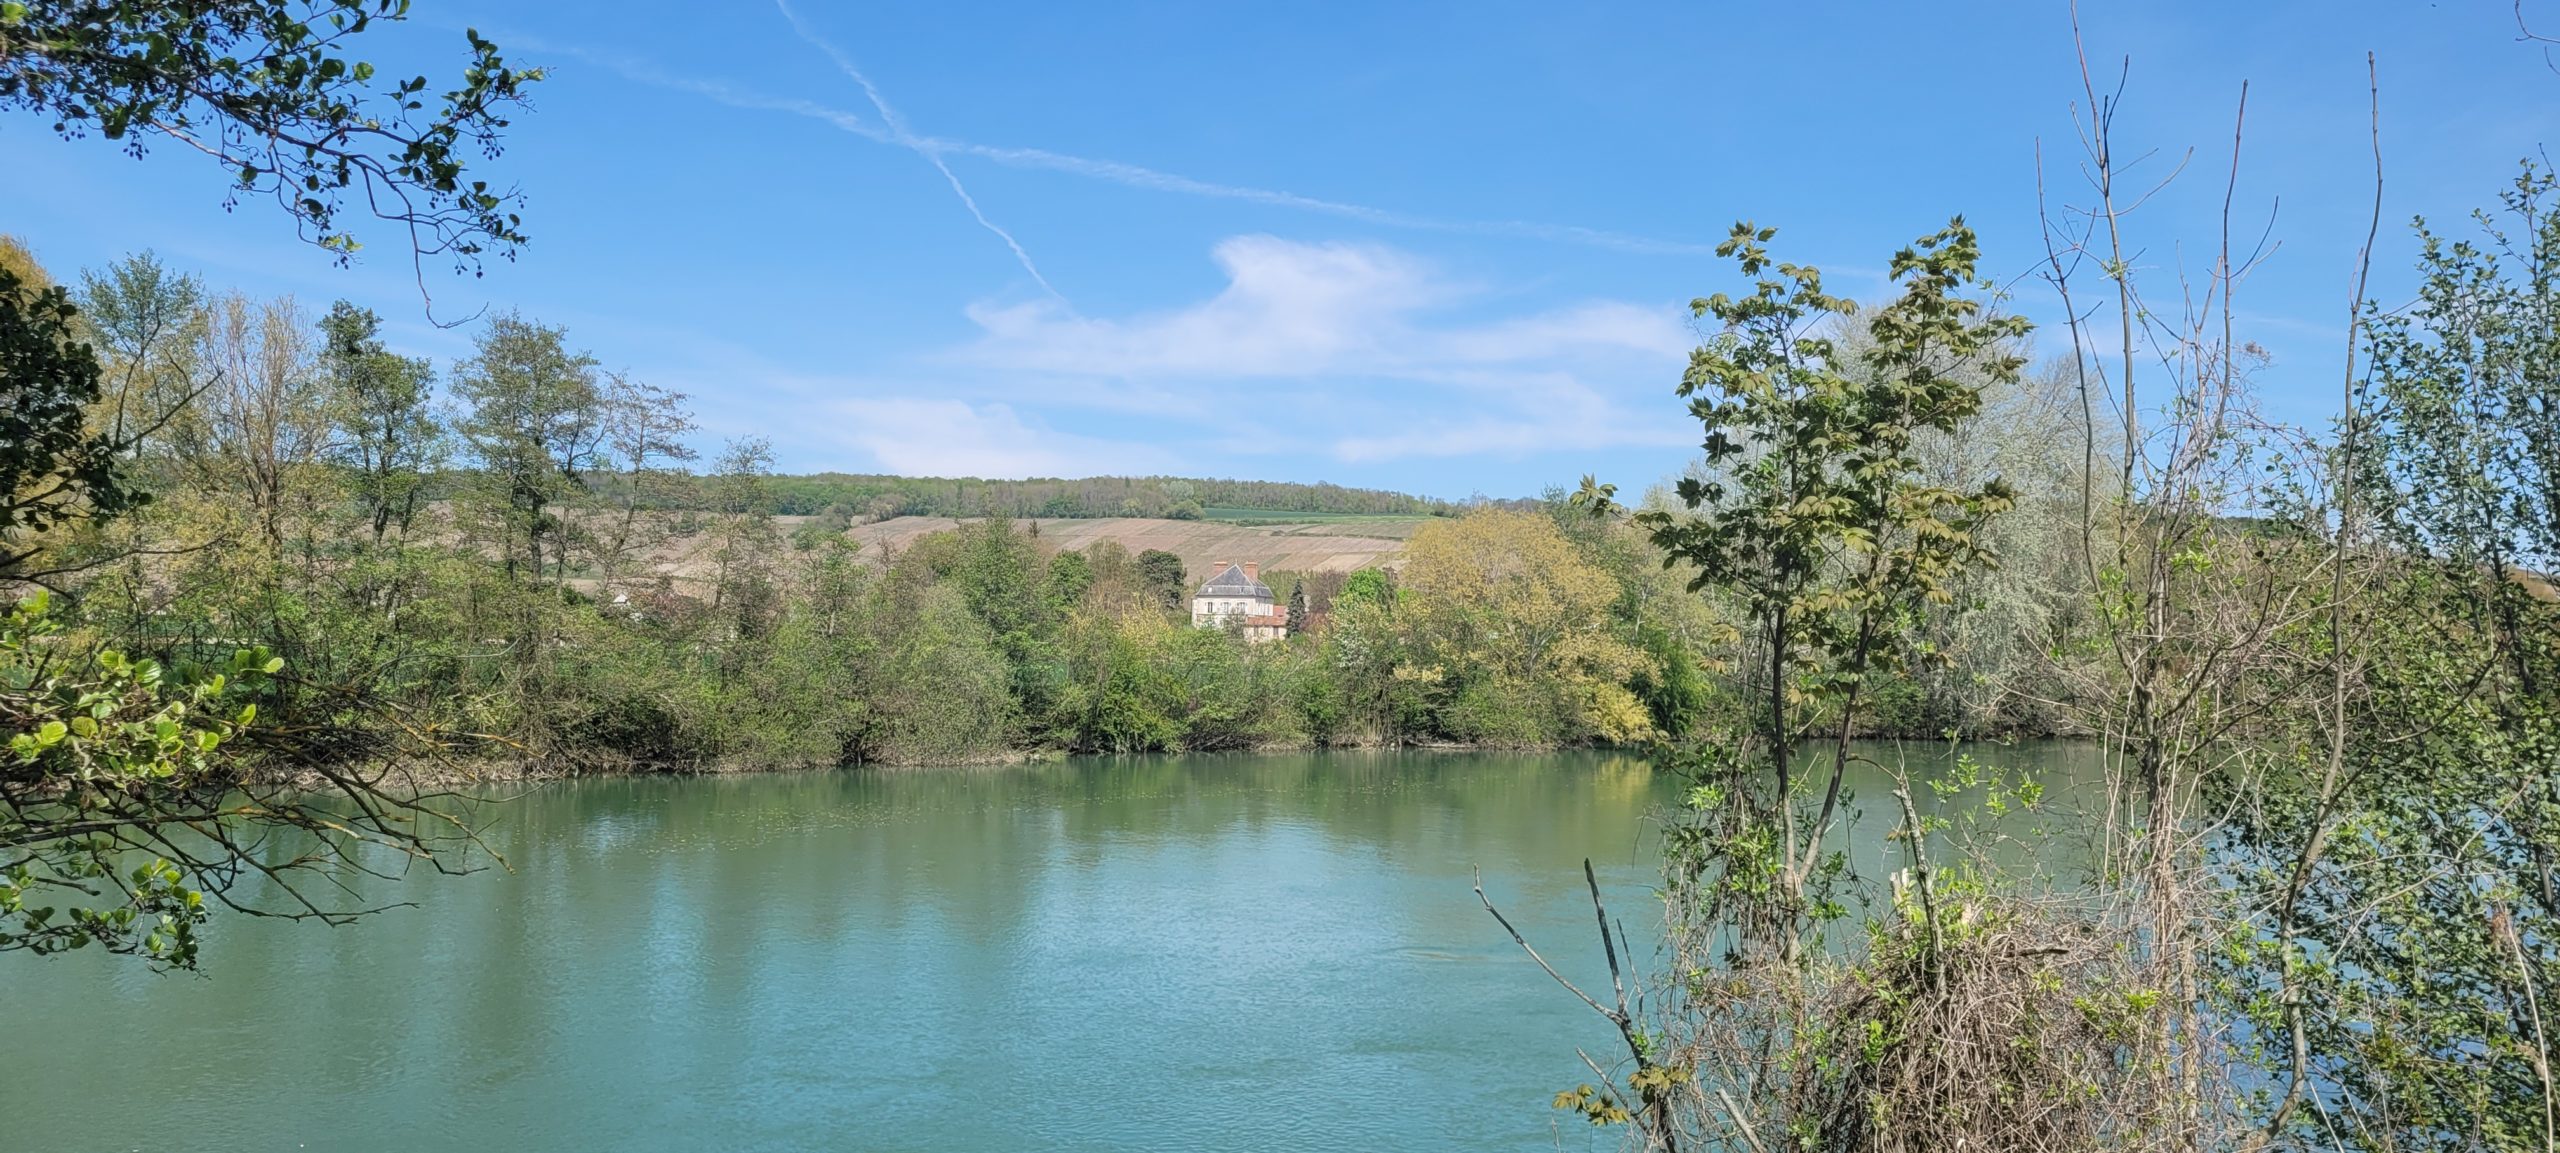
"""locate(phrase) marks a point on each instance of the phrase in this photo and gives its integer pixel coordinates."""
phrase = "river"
(1205, 953)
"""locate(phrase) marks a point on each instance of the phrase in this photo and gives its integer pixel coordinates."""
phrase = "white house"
(1236, 595)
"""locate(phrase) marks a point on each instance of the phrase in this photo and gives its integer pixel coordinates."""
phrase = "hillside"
(1338, 546)
(851, 496)
(1329, 546)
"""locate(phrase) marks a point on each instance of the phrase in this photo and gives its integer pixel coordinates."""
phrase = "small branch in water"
(1523, 942)
(1657, 1110)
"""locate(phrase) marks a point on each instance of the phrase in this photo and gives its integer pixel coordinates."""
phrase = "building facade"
(1235, 596)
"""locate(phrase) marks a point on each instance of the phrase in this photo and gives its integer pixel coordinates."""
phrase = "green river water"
(1204, 953)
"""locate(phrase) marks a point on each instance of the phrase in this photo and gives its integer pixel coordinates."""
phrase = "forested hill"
(859, 496)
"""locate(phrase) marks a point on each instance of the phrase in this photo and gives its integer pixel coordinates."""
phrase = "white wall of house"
(1207, 611)
(1218, 605)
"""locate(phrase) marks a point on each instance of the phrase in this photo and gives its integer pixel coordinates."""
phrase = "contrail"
(899, 135)
(1135, 176)
(934, 148)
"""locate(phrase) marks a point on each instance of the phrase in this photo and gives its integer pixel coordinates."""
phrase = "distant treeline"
(856, 497)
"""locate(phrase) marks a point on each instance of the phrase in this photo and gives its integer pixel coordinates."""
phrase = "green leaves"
(2416, 887)
(1818, 520)
(111, 743)
(262, 87)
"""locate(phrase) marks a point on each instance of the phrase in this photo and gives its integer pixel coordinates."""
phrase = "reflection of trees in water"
(854, 849)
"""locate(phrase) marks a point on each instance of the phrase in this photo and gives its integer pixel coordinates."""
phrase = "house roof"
(1231, 582)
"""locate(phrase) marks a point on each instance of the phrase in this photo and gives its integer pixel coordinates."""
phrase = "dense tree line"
(473, 569)
(113, 759)
(847, 497)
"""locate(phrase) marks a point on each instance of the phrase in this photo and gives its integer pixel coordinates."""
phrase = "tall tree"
(743, 538)
(1817, 517)
(644, 430)
(149, 325)
(535, 428)
(386, 435)
(1164, 577)
(265, 415)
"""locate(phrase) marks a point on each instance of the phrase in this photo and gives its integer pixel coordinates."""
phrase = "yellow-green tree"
(1517, 623)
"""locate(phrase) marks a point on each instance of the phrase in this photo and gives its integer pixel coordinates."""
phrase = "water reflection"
(1144, 953)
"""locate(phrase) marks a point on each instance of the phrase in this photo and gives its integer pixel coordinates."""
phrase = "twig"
(1741, 1124)
(1525, 947)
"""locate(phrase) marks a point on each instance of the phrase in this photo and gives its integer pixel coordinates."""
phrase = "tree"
(1813, 514)
(386, 436)
(126, 814)
(644, 427)
(534, 426)
(264, 415)
(1070, 576)
(99, 767)
(1164, 577)
(743, 537)
(263, 89)
(2415, 879)
(54, 471)
(149, 325)
(1517, 624)
(1816, 517)
(1368, 586)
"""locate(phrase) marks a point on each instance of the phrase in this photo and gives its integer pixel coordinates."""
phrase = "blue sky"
(1437, 247)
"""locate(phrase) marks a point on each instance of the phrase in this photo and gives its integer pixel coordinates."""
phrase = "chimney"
(1216, 567)
(1252, 570)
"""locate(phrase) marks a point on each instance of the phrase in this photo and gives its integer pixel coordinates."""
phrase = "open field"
(1277, 517)
(1335, 544)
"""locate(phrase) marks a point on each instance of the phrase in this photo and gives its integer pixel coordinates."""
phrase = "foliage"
(385, 436)
(53, 468)
(533, 428)
(1165, 580)
(1817, 519)
(1514, 629)
(125, 810)
(2411, 874)
(263, 88)
(83, 743)
(119, 759)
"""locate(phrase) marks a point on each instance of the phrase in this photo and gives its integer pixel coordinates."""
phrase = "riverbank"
(452, 771)
(448, 771)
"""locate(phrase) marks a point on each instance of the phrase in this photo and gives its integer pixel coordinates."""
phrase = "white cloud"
(1379, 355)
(1292, 309)
(926, 437)
(1287, 310)
(1361, 354)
